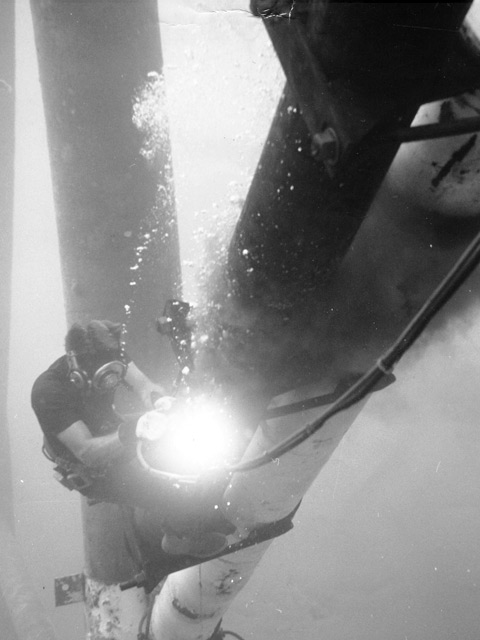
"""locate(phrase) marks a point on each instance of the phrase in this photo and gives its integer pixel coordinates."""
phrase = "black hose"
(365, 385)
(449, 285)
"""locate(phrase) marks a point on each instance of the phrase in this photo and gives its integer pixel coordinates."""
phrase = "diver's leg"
(190, 517)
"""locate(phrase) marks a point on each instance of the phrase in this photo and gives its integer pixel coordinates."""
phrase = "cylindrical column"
(21, 612)
(100, 70)
(193, 601)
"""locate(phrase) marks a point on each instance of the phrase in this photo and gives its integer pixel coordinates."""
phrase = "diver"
(94, 447)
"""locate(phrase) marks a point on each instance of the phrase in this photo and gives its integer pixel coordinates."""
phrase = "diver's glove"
(154, 424)
(150, 394)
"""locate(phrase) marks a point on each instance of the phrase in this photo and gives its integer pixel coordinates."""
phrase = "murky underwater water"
(385, 542)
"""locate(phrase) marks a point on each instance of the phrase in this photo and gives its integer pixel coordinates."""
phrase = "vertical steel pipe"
(115, 215)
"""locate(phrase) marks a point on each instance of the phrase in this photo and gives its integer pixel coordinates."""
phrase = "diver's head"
(95, 356)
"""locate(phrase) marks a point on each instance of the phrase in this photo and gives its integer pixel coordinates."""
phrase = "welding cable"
(220, 634)
(464, 266)
(145, 621)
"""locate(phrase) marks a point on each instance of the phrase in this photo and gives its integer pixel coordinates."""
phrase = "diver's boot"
(204, 546)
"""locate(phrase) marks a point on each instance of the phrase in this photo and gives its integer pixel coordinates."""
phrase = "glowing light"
(193, 437)
(200, 439)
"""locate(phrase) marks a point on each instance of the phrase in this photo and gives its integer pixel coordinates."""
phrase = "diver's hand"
(150, 394)
(164, 403)
(153, 425)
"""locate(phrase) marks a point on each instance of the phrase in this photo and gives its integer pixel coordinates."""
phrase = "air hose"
(464, 266)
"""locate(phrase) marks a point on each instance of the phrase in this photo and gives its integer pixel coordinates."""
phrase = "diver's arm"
(92, 451)
(143, 386)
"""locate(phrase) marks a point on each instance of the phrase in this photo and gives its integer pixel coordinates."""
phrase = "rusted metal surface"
(111, 614)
